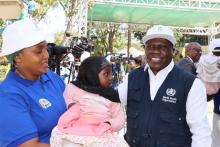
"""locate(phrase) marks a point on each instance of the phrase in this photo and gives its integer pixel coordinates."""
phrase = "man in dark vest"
(193, 54)
(166, 106)
(216, 120)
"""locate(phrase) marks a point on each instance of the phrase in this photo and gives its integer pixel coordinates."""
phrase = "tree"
(69, 7)
(42, 8)
(129, 40)
(2, 24)
(108, 38)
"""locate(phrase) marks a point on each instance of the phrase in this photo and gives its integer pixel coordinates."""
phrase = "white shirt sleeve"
(196, 117)
(123, 91)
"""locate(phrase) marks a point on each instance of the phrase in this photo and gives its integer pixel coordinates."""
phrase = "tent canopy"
(133, 51)
(171, 14)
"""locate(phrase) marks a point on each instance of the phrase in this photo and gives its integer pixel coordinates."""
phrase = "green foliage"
(119, 41)
(58, 38)
(42, 7)
(138, 45)
(139, 35)
(69, 6)
(2, 25)
(179, 38)
(103, 33)
(0, 41)
(101, 43)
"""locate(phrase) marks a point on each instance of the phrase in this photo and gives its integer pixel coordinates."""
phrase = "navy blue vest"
(217, 103)
(162, 122)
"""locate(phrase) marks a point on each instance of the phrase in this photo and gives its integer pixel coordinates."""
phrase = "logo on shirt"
(169, 98)
(44, 103)
(171, 92)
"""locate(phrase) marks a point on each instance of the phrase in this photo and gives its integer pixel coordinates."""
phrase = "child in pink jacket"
(91, 119)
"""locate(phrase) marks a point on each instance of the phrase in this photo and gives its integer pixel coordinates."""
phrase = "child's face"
(106, 77)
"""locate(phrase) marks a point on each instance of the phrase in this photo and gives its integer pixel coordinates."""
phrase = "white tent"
(10, 9)
(133, 51)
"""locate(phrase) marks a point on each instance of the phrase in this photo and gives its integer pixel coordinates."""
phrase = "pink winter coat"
(89, 113)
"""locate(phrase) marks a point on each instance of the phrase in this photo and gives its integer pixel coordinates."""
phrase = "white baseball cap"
(160, 31)
(214, 43)
(19, 35)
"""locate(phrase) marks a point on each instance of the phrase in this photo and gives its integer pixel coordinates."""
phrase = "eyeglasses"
(199, 51)
(160, 47)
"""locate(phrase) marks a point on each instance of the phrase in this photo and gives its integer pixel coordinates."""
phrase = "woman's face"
(106, 77)
(33, 61)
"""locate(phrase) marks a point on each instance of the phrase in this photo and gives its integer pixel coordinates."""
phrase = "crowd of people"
(165, 102)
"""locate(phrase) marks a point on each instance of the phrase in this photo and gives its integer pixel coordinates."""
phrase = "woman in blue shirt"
(31, 96)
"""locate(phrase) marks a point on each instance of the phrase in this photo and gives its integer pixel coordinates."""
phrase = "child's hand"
(102, 128)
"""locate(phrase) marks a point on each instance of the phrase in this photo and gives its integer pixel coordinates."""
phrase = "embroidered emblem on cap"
(171, 91)
(44, 103)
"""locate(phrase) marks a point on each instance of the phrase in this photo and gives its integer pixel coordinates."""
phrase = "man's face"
(132, 64)
(195, 52)
(158, 53)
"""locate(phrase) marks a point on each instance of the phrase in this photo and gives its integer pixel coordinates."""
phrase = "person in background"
(209, 72)
(166, 106)
(135, 62)
(216, 120)
(31, 96)
(4, 67)
(91, 119)
(118, 68)
(193, 52)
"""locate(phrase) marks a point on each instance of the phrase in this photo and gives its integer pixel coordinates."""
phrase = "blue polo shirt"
(28, 108)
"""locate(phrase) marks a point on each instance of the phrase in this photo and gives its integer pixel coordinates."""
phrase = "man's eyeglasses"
(199, 51)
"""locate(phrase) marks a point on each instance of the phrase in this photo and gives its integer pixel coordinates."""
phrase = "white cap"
(160, 31)
(213, 44)
(21, 34)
